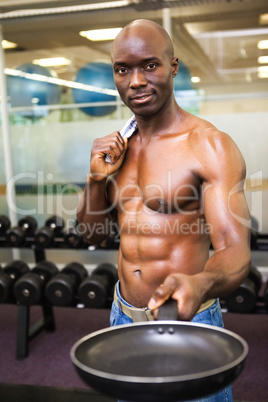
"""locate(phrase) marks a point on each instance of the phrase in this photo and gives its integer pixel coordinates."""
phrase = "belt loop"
(136, 314)
(116, 299)
(149, 314)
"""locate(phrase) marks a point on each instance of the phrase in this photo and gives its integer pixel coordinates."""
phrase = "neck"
(161, 122)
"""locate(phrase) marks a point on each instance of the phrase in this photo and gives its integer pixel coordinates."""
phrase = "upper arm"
(224, 202)
(111, 207)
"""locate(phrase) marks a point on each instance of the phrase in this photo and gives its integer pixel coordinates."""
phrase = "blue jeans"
(211, 316)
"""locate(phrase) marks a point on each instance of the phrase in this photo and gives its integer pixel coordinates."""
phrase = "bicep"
(226, 214)
(224, 202)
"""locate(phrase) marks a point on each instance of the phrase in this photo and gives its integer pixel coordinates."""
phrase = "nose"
(138, 79)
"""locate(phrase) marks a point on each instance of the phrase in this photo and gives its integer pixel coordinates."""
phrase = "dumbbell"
(44, 237)
(73, 238)
(8, 277)
(253, 239)
(96, 290)
(61, 290)
(244, 298)
(29, 288)
(4, 224)
(16, 236)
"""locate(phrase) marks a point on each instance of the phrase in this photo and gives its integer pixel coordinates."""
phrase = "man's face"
(143, 71)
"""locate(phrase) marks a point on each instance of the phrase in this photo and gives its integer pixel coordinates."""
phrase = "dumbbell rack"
(25, 333)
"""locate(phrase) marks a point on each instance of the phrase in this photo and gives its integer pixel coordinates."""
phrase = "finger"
(163, 292)
(104, 144)
(119, 139)
(117, 148)
(117, 162)
(125, 143)
(117, 155)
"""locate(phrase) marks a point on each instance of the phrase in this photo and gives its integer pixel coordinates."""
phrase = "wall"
(51, 161)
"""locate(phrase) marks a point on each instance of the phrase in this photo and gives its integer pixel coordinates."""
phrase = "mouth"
(142, 98)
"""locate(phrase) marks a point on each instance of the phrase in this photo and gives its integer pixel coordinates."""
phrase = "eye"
(150, 66)
(121, 70)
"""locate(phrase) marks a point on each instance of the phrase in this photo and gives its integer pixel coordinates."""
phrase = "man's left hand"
(184, 289)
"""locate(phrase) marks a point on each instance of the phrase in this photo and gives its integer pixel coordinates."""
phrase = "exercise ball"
(98, 74)
(182, 81)
(29, 92)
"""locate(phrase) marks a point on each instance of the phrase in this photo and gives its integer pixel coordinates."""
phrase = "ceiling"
(216, 39)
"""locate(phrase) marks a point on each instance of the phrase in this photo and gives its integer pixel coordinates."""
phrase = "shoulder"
(216, 152)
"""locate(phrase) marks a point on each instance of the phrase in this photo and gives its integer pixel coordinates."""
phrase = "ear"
(175, 66)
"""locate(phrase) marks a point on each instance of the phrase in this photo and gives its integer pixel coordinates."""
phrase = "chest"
(162, 176)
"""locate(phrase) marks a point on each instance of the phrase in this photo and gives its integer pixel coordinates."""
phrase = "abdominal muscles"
(155, 245)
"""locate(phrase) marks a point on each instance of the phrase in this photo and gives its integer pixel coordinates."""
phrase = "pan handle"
(168, 310)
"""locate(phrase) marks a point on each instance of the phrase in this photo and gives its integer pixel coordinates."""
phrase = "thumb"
(123, 154)
(162, 293)
(158, 298)
(119, 162)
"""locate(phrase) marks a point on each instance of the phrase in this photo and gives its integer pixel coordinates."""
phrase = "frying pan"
(159, 361)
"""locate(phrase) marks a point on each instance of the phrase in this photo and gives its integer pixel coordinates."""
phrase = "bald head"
(148, 28)
(144, 63)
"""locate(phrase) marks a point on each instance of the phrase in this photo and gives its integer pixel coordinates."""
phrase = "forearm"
(93, 211)
(224, 271)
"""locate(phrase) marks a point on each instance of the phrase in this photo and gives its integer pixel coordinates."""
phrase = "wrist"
(205, 282)
(96, 178)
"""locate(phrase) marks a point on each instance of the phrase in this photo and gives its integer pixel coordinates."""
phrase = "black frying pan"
(159, 360)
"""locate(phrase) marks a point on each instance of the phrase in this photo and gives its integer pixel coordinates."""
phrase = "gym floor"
(47, 374)
(30, 393)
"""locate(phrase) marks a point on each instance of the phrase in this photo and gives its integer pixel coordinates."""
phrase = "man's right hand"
(112, 144)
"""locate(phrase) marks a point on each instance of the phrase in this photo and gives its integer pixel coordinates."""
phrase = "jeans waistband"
(145, 314)
(135, 313)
